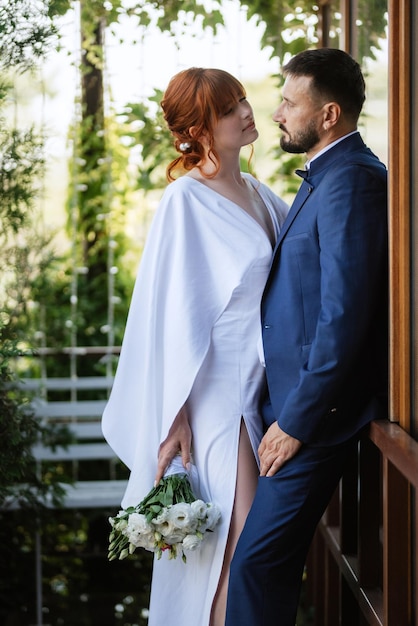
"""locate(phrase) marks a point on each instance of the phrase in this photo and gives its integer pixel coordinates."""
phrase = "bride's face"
(236, 127)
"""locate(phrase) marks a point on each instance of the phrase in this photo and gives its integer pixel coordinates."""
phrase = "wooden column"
(348, 42)
(400, 12)
(396, 547)
(324, 25)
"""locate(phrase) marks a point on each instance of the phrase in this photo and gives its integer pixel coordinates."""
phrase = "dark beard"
(304, 141)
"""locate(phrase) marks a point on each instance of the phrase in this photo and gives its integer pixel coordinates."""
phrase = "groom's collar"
(328, 147)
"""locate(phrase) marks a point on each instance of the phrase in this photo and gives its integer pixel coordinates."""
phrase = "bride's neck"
(229, 172)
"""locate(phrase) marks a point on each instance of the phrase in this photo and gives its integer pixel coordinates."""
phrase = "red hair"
(195, 99)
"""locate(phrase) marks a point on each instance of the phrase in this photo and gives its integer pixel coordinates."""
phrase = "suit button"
(267, 326)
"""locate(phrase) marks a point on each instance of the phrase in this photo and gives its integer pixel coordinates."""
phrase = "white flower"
(162, 517)
(181, 516)
(137, 523)
(145, 541)
(213, 515)
(139, 532)
(176, 536)
(191, 542)
(169, 531)
(199, 509)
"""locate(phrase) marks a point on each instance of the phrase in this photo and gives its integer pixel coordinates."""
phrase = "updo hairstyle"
(196, 98)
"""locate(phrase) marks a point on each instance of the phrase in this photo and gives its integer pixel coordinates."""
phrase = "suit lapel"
(318, 168)
(302, 195)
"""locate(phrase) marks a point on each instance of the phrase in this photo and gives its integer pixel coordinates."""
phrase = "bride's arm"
(178, 441)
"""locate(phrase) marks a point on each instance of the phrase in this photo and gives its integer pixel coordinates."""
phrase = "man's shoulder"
(348, 155)
(353, 149)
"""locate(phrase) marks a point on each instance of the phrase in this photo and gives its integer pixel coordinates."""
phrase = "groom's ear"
(331, 115)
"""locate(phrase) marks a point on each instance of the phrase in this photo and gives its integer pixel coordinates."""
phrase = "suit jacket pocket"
(290, 238)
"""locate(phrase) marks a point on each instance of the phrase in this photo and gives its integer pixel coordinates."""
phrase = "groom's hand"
(275, 449)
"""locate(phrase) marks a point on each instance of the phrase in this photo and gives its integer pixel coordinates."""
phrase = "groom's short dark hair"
(336, 76)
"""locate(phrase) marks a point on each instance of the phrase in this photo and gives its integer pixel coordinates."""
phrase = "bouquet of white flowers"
(169, 519)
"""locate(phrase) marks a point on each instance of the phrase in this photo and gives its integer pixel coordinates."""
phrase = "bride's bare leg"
(247, 475)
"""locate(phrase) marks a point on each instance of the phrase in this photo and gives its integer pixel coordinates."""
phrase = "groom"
(324, 318)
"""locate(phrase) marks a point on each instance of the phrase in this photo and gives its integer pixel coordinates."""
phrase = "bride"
(190, 375)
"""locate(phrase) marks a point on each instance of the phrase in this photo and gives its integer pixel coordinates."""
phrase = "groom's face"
(299, 116)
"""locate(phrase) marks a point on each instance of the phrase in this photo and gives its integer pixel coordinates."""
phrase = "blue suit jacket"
(324, 310)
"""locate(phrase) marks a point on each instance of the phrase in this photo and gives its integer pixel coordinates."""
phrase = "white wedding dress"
(193, 334)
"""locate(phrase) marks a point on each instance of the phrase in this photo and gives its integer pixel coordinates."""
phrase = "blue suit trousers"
(267, 568)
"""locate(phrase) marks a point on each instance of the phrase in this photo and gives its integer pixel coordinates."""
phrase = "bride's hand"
(178, 440)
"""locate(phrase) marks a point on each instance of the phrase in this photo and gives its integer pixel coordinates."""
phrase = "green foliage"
(183, 12)
(147, 130)
(58, 7)
(27, 33)
(24, 254)
(21, 166)
(293, 26)
(273, 15)
(26, 259)
(101, 188)
(285, 170)
(19, 431)
(79, 586)
(372, 22)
